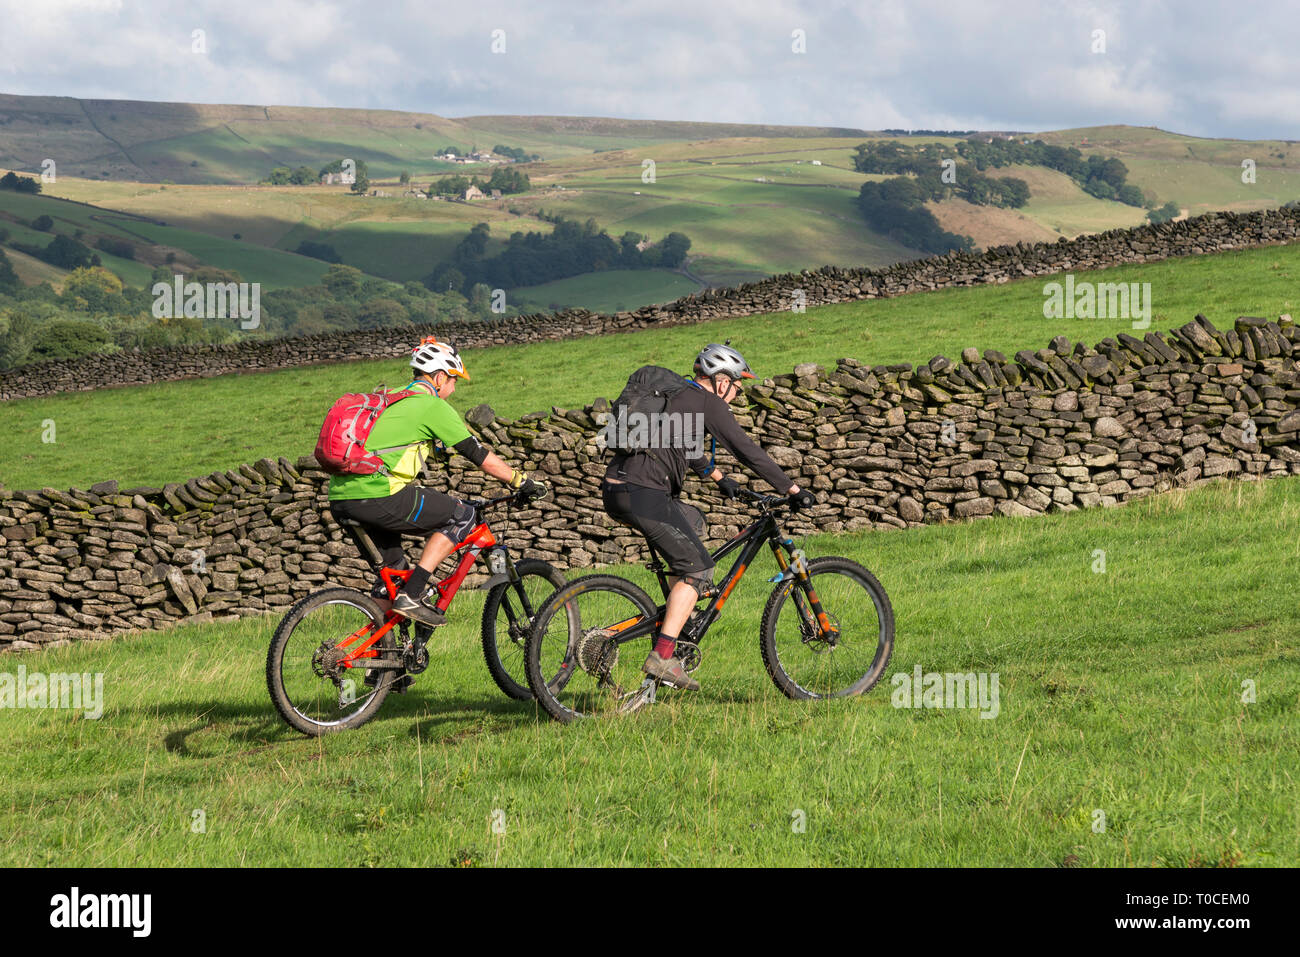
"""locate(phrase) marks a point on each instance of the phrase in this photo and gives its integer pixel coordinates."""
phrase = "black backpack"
(647, 391)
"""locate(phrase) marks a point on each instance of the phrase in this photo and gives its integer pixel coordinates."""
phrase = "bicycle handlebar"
(478, 504)
(766, 501)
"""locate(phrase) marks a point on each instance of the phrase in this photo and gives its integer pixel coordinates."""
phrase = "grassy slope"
(279, 412)
(1118, 692)
(32, 271)
(803, 216)
(1199, 174)
(274, 268)
(611, 291)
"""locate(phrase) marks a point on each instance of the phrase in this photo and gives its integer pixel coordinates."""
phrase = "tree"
(1130, 195)
(19, 184)
(9, 282)
(93, 289)
(672, 250)
(67, 339)
(404, 178)
(67, 253)
(321, 251)
(449, 186)
(343, 282)
(362, 185)
(1165, 213)
(381, 312)
(43, 222)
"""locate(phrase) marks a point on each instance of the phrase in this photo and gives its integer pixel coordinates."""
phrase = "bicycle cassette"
(597, 651)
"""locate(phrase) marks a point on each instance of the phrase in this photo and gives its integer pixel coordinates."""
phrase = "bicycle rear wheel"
(576, 667)
(311, 690)
(801, 658)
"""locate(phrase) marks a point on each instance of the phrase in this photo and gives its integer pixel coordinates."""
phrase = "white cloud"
(1195, 66)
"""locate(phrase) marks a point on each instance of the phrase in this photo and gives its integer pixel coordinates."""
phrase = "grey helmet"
(717, 359)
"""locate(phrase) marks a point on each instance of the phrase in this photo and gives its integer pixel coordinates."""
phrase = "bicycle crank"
(690, 654)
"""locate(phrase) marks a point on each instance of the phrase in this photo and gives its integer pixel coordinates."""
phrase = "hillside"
(219, 143)
(754, 200)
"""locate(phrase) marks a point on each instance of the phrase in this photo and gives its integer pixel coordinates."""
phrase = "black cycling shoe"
(408, 607)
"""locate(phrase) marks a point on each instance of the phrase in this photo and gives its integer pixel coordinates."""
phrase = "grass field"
(613, 290)
(183, 429)
(1119, 692)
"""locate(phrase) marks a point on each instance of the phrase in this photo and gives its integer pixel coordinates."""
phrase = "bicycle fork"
(806, 602)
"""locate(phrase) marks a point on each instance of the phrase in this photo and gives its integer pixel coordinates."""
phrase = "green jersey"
(408, 429)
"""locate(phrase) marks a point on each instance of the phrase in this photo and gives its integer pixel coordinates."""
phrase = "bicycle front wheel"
(842, 656)
(508, 613)
(575, 663)
(309, 685)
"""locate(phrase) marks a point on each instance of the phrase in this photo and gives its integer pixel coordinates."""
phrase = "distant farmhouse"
(473, 193)
(476, 157)
(338, 179)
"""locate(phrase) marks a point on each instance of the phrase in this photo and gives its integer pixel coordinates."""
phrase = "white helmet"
(717, 359)
(432, 356)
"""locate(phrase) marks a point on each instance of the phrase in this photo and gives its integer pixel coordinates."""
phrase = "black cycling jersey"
(665, 469)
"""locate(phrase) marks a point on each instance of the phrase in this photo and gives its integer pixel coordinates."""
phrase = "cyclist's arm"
(724, 427)
(447, 426)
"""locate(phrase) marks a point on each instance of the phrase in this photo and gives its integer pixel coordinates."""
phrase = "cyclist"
(391, 504)
(641, 489)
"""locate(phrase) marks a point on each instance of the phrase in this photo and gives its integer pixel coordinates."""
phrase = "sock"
(664, 645)
(415, 584)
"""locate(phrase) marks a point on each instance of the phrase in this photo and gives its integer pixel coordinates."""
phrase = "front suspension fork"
(809, 606)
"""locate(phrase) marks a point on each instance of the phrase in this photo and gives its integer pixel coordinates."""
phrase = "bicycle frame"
(474, 544)
(750, 541)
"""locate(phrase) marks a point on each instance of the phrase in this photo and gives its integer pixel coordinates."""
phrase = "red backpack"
(341, 448)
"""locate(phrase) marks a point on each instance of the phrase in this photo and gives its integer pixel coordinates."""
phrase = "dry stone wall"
(1209, 233)
(1061, 428)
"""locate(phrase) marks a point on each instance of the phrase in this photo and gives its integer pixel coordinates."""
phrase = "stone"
(1108, 428)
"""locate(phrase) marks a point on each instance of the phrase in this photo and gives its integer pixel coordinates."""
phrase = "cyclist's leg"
(413, 511)
(668, 526)
(387, 543)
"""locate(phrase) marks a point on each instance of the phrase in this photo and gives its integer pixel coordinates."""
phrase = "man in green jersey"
(392, 504)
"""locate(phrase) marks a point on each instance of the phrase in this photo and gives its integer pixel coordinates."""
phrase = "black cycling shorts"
(412, 511)
(673, 528)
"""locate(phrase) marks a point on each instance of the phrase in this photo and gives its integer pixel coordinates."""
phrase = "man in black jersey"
(641, 489)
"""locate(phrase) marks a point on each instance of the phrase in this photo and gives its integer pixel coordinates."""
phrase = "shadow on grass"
(261, 727)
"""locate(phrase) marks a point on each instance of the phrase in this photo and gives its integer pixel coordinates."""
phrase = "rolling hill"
(755, 200)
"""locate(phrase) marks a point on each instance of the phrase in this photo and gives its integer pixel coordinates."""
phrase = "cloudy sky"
(1192, 66)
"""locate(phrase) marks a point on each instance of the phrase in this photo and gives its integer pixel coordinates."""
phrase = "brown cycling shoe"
(669, 671)
(408, 607)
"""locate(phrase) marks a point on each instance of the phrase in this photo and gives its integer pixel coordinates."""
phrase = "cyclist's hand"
(532, 489)
(802, 499)
(729, 487)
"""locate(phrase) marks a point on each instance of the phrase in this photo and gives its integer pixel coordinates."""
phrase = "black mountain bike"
(827, 630)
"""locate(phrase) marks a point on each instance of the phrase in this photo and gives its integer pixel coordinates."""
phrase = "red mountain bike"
(338, 653)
